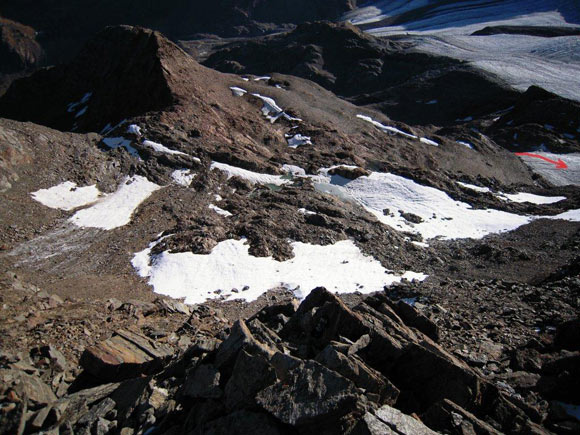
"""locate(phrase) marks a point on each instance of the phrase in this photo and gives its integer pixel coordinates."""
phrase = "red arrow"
(559, 164)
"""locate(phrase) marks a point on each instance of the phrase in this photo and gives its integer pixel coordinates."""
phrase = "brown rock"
(124, 355)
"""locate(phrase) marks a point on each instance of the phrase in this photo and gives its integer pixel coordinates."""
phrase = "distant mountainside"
(63, 27)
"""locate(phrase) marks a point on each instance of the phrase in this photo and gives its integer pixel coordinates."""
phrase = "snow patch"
(183, 177)
(474, 187)
(220, 211)
(134, 129)
(429, 141)
(161, 148)
(530, 197)
(238, 92)
(465, 144)
(252, 177)
(272, 111)
(115, 210)
(67, 196)
(294, 170)
(341, 268)
(262, 78)
(298, 140)
(385, 128)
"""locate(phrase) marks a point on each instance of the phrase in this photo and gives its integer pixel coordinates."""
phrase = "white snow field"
(272, 111)
(445, 28)
(67, 196)
(341, 268)
(108, 211)
(115, 210)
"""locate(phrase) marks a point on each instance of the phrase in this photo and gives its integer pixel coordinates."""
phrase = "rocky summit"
(330, 217)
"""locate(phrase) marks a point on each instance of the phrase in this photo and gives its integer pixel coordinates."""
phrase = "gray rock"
(311, 394)
(250, 375)
(401, 423)
(203, 383)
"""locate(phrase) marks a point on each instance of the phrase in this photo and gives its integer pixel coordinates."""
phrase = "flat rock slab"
(125, 355)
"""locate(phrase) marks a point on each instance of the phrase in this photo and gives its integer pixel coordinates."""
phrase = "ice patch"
(252, 177)
(134, 129)
(116, 209)
(183, 177)
(67, 196)
(298, 140)
(385, 128)
(161, 148)
(238, 92)
(220, 211)
(116, 142)
(429, 141)
(262, 78)
(341, 268)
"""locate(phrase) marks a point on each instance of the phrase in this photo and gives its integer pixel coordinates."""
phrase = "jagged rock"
(203, 382)
(447, 416)
(27, 387)
(240, 338)
(250, 375)
(402, 423)
(310, 394)
(123, 356)
(172, 306)
(360, 374)
(412, 317)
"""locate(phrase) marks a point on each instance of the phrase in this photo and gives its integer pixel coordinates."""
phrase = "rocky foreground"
(375, 366)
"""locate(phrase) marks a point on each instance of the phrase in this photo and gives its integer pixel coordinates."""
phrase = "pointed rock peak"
(122, 72)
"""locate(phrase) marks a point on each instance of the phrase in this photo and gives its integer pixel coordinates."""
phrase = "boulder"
(125, 355)
(310, 395)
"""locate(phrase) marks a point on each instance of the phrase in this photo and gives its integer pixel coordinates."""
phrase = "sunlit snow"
(220, 211)
(183, 176)
(272, 111)
(238, 92)
(298, 140)
(530, 197)
(116, 209)
(252, 177)
(67, 196)
(161, 148)
(341, 268)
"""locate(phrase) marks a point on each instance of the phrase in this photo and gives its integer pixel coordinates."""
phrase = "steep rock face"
(381, 73)
(121, 73)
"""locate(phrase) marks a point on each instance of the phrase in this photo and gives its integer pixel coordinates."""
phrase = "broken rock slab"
(125, 355)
